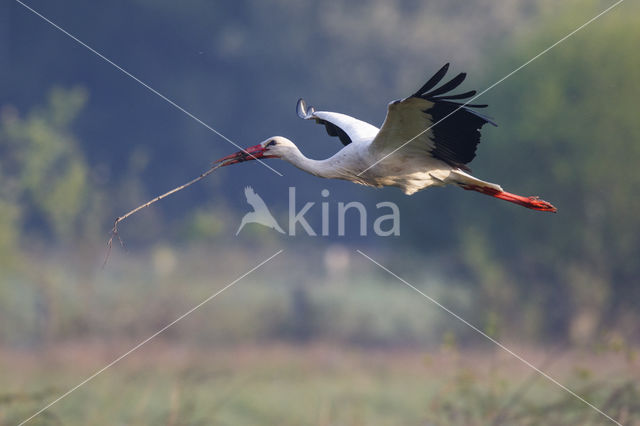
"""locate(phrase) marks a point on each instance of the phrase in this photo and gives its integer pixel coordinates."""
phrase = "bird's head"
(274, 147)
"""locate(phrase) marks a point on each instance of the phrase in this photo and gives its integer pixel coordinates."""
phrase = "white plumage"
(427, 139)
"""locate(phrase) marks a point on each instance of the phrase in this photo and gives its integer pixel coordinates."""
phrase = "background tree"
(568, 131)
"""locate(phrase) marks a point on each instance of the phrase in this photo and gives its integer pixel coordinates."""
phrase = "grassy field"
(314, 346)
(313, 384)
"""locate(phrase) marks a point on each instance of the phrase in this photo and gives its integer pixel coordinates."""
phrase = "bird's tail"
(468, 182)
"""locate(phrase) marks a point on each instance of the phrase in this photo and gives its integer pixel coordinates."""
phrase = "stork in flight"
(427, 139)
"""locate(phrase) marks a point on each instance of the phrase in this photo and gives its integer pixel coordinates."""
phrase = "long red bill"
(252, 153)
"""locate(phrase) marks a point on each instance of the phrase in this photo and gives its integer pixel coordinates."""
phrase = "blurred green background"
(319, 335)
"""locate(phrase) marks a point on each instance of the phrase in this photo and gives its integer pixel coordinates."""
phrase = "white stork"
(427, 139)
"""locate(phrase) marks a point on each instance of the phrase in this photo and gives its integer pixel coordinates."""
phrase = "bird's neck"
(322, 168)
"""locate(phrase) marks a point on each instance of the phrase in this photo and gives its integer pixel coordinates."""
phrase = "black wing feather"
(456, 137)
(305, 112)
(432, 81)
(333, 130)
(456, 127)
(449, 86)
(464, 95)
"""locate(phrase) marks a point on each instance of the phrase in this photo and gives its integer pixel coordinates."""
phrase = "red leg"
(534, 203)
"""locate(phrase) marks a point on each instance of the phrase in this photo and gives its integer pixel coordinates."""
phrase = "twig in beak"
(114, 230)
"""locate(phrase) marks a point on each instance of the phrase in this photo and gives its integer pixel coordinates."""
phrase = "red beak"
(252, 153)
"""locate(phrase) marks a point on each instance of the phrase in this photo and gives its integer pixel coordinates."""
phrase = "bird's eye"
(270, 143)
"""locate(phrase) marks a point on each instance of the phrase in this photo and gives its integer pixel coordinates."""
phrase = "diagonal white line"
(151, 89)
(149, 338)
(495, 84)
(503, 347)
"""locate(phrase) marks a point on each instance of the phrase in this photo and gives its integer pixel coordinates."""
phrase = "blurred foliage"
(306, 385)
(568, 132)
(304, 305)
(47, 203)
(43, 169)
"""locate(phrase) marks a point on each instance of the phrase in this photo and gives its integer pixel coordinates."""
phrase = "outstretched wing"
(347, 128)
(254, 200)
(453, 129)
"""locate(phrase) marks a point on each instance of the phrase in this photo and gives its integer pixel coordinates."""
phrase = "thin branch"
(114, 230)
